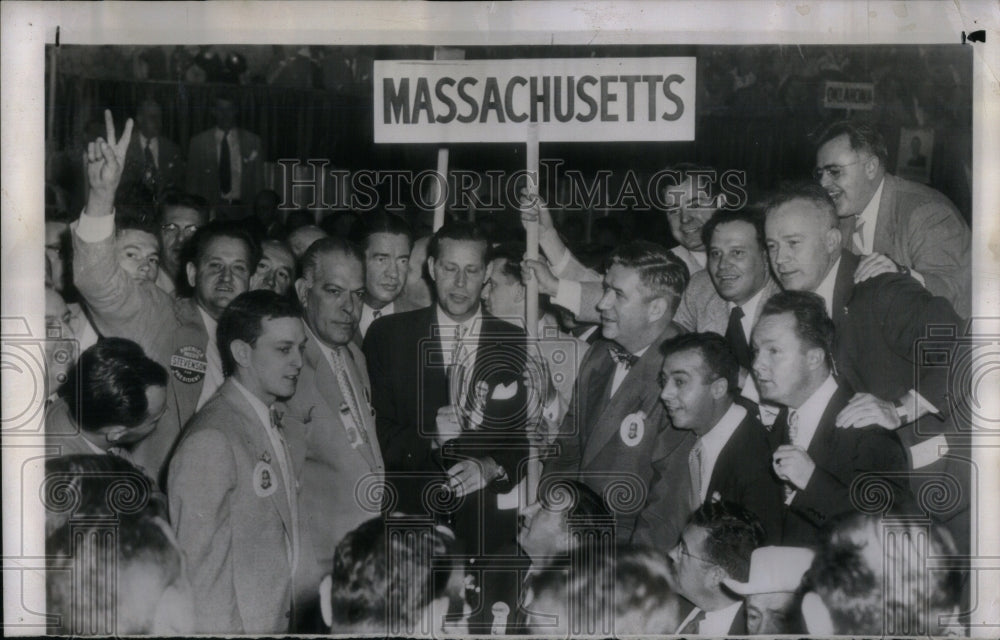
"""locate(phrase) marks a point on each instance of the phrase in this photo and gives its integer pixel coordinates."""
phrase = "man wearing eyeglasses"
(179, 333)
(180, 216)
(895, 225)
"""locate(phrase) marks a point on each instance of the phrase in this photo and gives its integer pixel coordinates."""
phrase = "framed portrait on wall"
(916, 151)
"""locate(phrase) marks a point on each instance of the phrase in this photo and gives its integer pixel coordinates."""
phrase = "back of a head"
(587, 515)
(660, 271)
(107, 387)
(384, 579)
(733, 532)
(874, 578)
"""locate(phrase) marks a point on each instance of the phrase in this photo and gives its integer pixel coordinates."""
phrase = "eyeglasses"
(682, 547)
(833, 169)
(172, 229)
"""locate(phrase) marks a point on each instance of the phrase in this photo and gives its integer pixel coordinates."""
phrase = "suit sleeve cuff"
(919, 278)
(569, 296)
(94, 228)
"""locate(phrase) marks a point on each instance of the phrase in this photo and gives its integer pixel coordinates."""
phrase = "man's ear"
(301, 289)
(832, 239)
(871, 167)
(192, 273)
(816, 616)
(241, 352)
(430, 268)
(657, 309)
(114, 434)
(521, 293)
(325, 606)
(719, 388)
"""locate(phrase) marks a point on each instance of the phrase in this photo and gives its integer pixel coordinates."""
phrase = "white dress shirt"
(154, 146)
(368, 315)
(713, 442)
(235, 161)
(621, 371)
(867, 220)
(825, 288)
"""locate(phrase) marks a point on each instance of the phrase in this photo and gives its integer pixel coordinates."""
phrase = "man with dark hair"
(716, 545)
(880, 323)
(616, 436)
(730, 459)
(817, 462)
(153, 162)
(226, 162)
(450, 399)
(276, 269)
(177, 333)
(873, 577)
(231, 483)
(337, 454)
(388, 578)
(127, 578)
(728, 295)
(387, 241)
(111, 400)
(138, 248)
(180, 216)
(895, 225)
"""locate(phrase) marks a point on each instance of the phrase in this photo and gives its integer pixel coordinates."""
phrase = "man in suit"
(180, 217)
(895, 225)
(387, 242)
(153, 163)
(276, 269)
(879, 325)
(616, 436)
(770, 593)
(226, 162)
(179, 333)
(730, 459)
(231, 485)
(336, 453)
(816, 462)
(450, 400)
(716, 545)
(111, 400)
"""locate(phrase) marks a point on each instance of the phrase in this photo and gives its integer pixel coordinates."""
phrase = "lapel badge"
(633, 428)
(264, 481)
(265, 457)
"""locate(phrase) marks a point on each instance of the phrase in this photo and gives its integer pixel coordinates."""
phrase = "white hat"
(773, 570)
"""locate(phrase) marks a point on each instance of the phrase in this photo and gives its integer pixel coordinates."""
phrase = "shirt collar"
(143, 141)
(750, 306)
(869, 214)
(211, 324)
(258, 406)
(825, 288)
(719, 435)
(472, 325)
(811, 411)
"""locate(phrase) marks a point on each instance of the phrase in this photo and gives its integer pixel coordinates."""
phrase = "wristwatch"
(900, 405)
(902, 268)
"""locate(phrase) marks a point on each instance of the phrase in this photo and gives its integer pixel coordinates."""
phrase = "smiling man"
(179, 333)
(138, 250)
(450, 399)
(616, 432)
(232, 486)
(895, 225)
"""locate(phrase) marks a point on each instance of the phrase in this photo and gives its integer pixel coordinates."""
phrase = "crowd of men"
(733, 436)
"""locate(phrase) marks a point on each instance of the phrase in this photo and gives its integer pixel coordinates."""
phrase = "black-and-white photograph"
(382, 333)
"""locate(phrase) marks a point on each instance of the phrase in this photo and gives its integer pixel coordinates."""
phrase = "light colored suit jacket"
(703, 309)
(920, 228)
(230, 510)
(203, 166)
(169, 330)
(337, 480)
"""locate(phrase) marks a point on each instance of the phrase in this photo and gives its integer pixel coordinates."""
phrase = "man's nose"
(605, 302)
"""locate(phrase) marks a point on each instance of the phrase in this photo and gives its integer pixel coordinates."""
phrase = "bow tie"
(622, 357)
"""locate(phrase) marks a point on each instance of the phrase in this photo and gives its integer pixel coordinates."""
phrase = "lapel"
(258, 442)
(884, 222)
(843, 287)
(190, 332)
(358, 372)
(632, 394)
(824, 441)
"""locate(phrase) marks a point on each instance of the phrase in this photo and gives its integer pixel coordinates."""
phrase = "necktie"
(693, 627)
(793, 434)
(456, 376)
(694, 466)
(149, 162)
(857, 238)
(357, 434)
(225, 168)
(376, 314)
(737, 338)
(291, 484)
(622, 357)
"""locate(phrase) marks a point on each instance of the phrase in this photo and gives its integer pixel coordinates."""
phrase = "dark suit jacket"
(409, 377)
(643, 478)
(742, 474)
(203, 166)
(879, 324)
(841, 456)
(170, 170)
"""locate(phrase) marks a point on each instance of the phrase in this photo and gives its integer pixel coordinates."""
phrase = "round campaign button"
(188, 364)
(633, 428)
(263, 480)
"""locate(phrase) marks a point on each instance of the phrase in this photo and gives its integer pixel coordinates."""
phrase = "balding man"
(895, 225)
